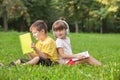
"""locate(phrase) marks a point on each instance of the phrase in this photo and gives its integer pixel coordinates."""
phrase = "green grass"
(104, 47)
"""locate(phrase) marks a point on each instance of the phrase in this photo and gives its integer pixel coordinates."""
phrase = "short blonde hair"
(39, 25)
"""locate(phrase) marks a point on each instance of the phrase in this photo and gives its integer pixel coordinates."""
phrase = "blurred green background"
(99, 16)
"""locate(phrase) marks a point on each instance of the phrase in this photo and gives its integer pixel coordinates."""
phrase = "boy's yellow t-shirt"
(48, 46)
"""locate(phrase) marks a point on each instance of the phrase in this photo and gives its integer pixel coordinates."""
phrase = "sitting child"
(45, 52)
(60, 31)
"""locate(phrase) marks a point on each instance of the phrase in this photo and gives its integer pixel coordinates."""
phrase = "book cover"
(25, 41)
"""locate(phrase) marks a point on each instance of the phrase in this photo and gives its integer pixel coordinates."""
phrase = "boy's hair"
(39, 25)
(59, 25)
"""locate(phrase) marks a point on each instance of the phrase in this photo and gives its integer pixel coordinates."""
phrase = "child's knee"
(37, 58)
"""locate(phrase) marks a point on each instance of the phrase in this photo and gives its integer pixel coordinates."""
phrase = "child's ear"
(66, 32)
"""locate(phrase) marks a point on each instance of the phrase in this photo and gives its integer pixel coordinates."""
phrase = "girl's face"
(60, 33)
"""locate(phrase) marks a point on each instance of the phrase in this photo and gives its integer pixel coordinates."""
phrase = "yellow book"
(25, 40)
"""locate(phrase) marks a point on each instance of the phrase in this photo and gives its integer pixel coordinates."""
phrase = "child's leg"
(90, 60)
(82, 61)
(19, 61)
(34, 61)
(93, 61)
(15, 62)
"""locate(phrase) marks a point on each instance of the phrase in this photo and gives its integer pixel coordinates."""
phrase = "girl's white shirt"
(65, 44)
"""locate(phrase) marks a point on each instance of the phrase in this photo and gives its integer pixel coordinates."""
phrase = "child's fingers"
(32, 44)
(82, 56)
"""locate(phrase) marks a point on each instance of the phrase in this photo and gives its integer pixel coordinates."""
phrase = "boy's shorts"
(46, 62)
(42, 61)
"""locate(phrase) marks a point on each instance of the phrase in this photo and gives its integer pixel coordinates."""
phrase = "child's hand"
(80, 57)
(33, 45)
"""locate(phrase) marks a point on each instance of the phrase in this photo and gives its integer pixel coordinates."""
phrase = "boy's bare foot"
(1, 64)
(18, 61)
(13, 63)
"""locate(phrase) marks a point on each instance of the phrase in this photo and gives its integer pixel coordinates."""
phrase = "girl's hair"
(62, 18)
(39, 25)
(59, 25)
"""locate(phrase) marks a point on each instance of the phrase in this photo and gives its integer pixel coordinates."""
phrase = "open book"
(25, 40)
(86, 54)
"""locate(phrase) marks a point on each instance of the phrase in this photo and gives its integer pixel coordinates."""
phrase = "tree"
(12, 9)
(75, 10)
(4, 15)
(106, 8)
(40, 9)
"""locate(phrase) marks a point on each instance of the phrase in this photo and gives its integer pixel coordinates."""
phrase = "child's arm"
(68, 56)
(44, 55)
(31, 55)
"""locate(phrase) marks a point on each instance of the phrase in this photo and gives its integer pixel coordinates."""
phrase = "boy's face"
(60, 33)
(37, 34)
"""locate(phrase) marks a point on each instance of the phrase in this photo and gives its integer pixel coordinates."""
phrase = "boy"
(44, 50)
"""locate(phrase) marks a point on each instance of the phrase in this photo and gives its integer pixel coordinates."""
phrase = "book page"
(25, 41)
(86, 54)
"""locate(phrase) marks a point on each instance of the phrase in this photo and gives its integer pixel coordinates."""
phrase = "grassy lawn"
(104, 47)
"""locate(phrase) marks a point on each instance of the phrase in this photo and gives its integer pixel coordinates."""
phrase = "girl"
(60, 31)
